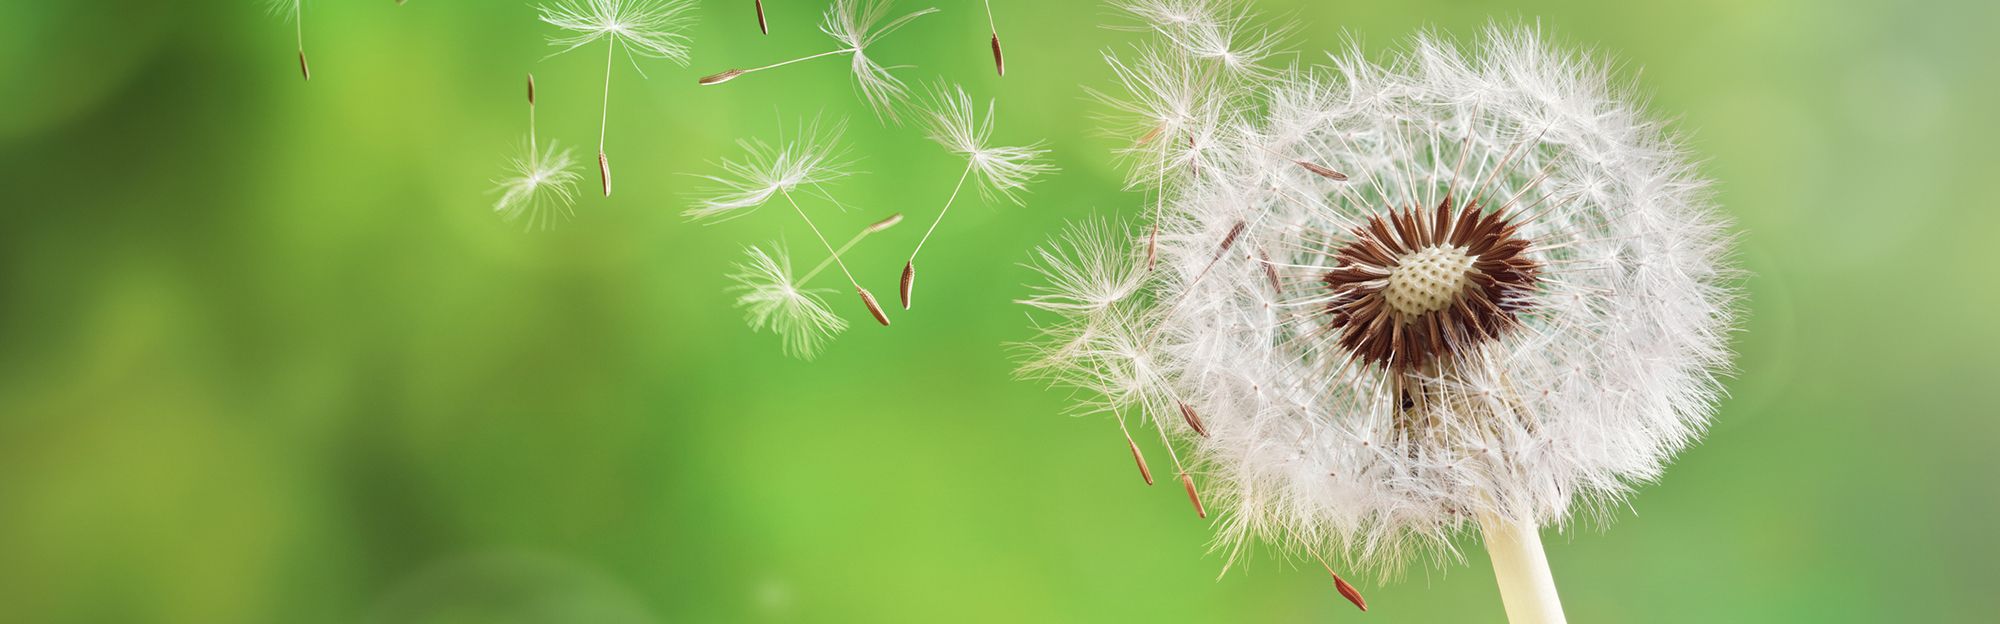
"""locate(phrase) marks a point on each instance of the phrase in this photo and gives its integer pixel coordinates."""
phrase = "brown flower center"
(1411, 289)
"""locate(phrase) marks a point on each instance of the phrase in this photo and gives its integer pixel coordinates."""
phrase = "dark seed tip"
(716, 79)
(999, 60)
(604, 170)
(868, 298)
(909, 281)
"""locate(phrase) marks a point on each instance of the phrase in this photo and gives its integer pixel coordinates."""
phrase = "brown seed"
(999, 62)
(1193, 495)
(305, 69)
(884, 224)
(909, 281)
(1348, 591)
(1322, 171)
(761, 24)
(1229, 240)
(1271, 273)
(723, 77)
(531, 89)
(1193, 420)
(1144, 472)
(604, 171)
(873, 307)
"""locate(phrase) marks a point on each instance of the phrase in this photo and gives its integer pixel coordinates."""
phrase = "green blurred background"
(267, 356)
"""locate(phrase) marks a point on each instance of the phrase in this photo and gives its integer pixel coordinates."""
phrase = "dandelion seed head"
(539, 188)
(288, 9)
(771, 298)
(1003, 170)
(648, 28)
(1514, 302)
(858, 24)
(812, 157)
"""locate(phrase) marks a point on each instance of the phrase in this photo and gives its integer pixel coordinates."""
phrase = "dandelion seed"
(762, 26)
(810, 159)
(1194, 496)
(854, 24)
(771, 297)
(1193, 420)
(1321, 171)
(1512, 311)
(1002, 171)
(540, 186)
(642, 28)
(294, 11)
(1347, 591)
(1140, 459)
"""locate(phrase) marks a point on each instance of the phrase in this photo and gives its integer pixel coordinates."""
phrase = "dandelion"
(854, 24)
(642, 28)
(1496, 300)
(540, 185)
(771, 297)
(294, 11)
(1002, 170)
(809, 160)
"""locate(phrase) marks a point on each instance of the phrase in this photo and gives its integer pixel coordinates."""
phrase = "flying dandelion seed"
(294, 12)
(642, 28)
(540, 186)
(772, 298)
(762, 26)
(1497, 299)
(854, 24)
(803, 163)
(1002, 171)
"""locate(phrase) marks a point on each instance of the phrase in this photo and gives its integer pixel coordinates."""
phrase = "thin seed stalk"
(604, 118)
(867, 298)
(722, 77)
(910, 268)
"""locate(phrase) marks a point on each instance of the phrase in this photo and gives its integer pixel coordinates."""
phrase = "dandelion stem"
(947, 208)
(1522, 570)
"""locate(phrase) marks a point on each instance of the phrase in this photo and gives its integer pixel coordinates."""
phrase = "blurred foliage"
(267, 356)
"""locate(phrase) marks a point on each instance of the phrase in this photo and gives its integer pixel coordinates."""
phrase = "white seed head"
(857, 24)
(772, 298)
(1003, 170)
(288, 9)
(1515, 304)
(649, 28)
(539, 188)
(810, 158)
